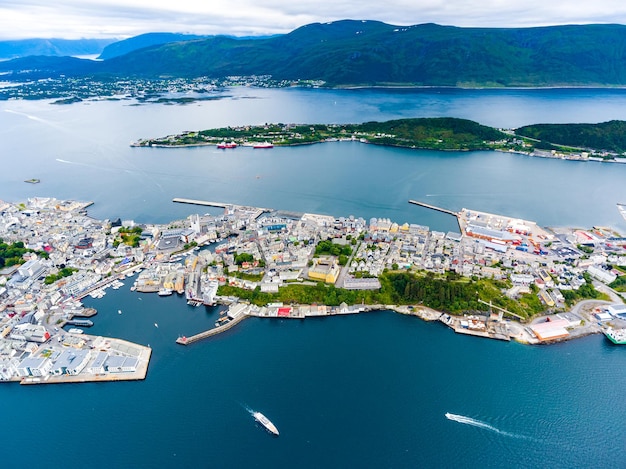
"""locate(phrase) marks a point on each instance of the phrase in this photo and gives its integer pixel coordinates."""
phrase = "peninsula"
(594, 142)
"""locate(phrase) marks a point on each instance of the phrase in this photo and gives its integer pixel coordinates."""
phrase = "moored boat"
(224, 145)
(263, 145)
(263, 420)
(165, 292)
(617, 336)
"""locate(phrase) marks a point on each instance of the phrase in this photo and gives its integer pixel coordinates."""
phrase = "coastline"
(517, 332)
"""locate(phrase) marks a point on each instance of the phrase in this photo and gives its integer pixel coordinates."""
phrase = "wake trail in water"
(250, 411)
(485, 426)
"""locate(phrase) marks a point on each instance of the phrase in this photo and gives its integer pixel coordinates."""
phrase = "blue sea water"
(363, 391)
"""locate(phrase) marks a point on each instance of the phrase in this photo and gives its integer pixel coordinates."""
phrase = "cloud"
(122, 18)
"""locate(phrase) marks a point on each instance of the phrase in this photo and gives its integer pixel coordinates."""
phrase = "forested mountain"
(373, 53)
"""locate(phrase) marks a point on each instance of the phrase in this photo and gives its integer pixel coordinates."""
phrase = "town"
(522, 279)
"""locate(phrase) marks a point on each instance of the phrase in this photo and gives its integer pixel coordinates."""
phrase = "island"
(498, 277)
(587, 142)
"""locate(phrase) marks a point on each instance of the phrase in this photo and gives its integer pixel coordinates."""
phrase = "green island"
(602, 142)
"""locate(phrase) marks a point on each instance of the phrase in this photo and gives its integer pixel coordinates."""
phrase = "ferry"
(617, 336)
(224, 145)
(263, 420)
(263, 145)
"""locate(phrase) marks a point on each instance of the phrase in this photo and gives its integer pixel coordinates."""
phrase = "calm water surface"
(364, 391)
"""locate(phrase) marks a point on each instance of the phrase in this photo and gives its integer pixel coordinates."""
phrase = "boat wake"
(248, 409)
(485, 426)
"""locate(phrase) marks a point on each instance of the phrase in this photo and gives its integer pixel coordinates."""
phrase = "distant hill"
(144, 40)
(610, 136)
(367, 53)
(52, 47)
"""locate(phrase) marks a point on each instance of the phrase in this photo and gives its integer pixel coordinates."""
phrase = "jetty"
(206, 203)
(438, 209)
(211, 332)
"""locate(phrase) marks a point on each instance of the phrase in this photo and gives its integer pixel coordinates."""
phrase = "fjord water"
(364, 391)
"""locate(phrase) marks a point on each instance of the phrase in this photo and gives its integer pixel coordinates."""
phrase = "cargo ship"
(617, 336)
(263, 420)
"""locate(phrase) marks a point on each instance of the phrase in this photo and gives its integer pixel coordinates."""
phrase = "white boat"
(263, 420)
(75, 330)
(165, 292)
(156, 325)
(263, 145)
(119, 311)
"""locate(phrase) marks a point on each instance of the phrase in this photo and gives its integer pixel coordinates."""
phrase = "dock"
(206, 203)
(438, 209)
(256, 212)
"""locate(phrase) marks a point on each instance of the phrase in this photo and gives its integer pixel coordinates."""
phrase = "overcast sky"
(74, 19)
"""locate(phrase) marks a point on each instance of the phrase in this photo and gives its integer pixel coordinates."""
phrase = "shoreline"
(453, 322)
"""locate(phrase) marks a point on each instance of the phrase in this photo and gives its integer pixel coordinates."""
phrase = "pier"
(256, 211)
(206, 203)
(211, 332)
(438, 209)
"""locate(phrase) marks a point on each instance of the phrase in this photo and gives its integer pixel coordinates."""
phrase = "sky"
(74, 19)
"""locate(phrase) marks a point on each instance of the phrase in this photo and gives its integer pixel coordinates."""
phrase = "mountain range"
(372, 53)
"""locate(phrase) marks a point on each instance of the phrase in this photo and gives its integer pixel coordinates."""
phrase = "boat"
(263, 145)
(617, 336)
(75, 330)
(165, 292)
(119, 311)
(263, 420)
(224, 145)
(156, 325)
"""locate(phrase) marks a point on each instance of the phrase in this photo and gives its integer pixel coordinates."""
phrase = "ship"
(75, 330)
(263, 420)
(165, 292)
(263, 145)
(227, 145)
(617, 336)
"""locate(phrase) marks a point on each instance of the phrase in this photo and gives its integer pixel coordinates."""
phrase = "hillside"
(134, 43)
(366, 53)
(609, 136)
(51, 47)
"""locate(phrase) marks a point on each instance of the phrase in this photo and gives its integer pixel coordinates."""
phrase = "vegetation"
(128, 236)
(243, 257)
(64, 272)
(441, 133)
(619, 284)
(609, 136)
(374, 53)
(451, 293)
(12, 254)
(327, 247)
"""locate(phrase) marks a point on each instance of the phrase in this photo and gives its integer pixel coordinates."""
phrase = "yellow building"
(325, 270)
